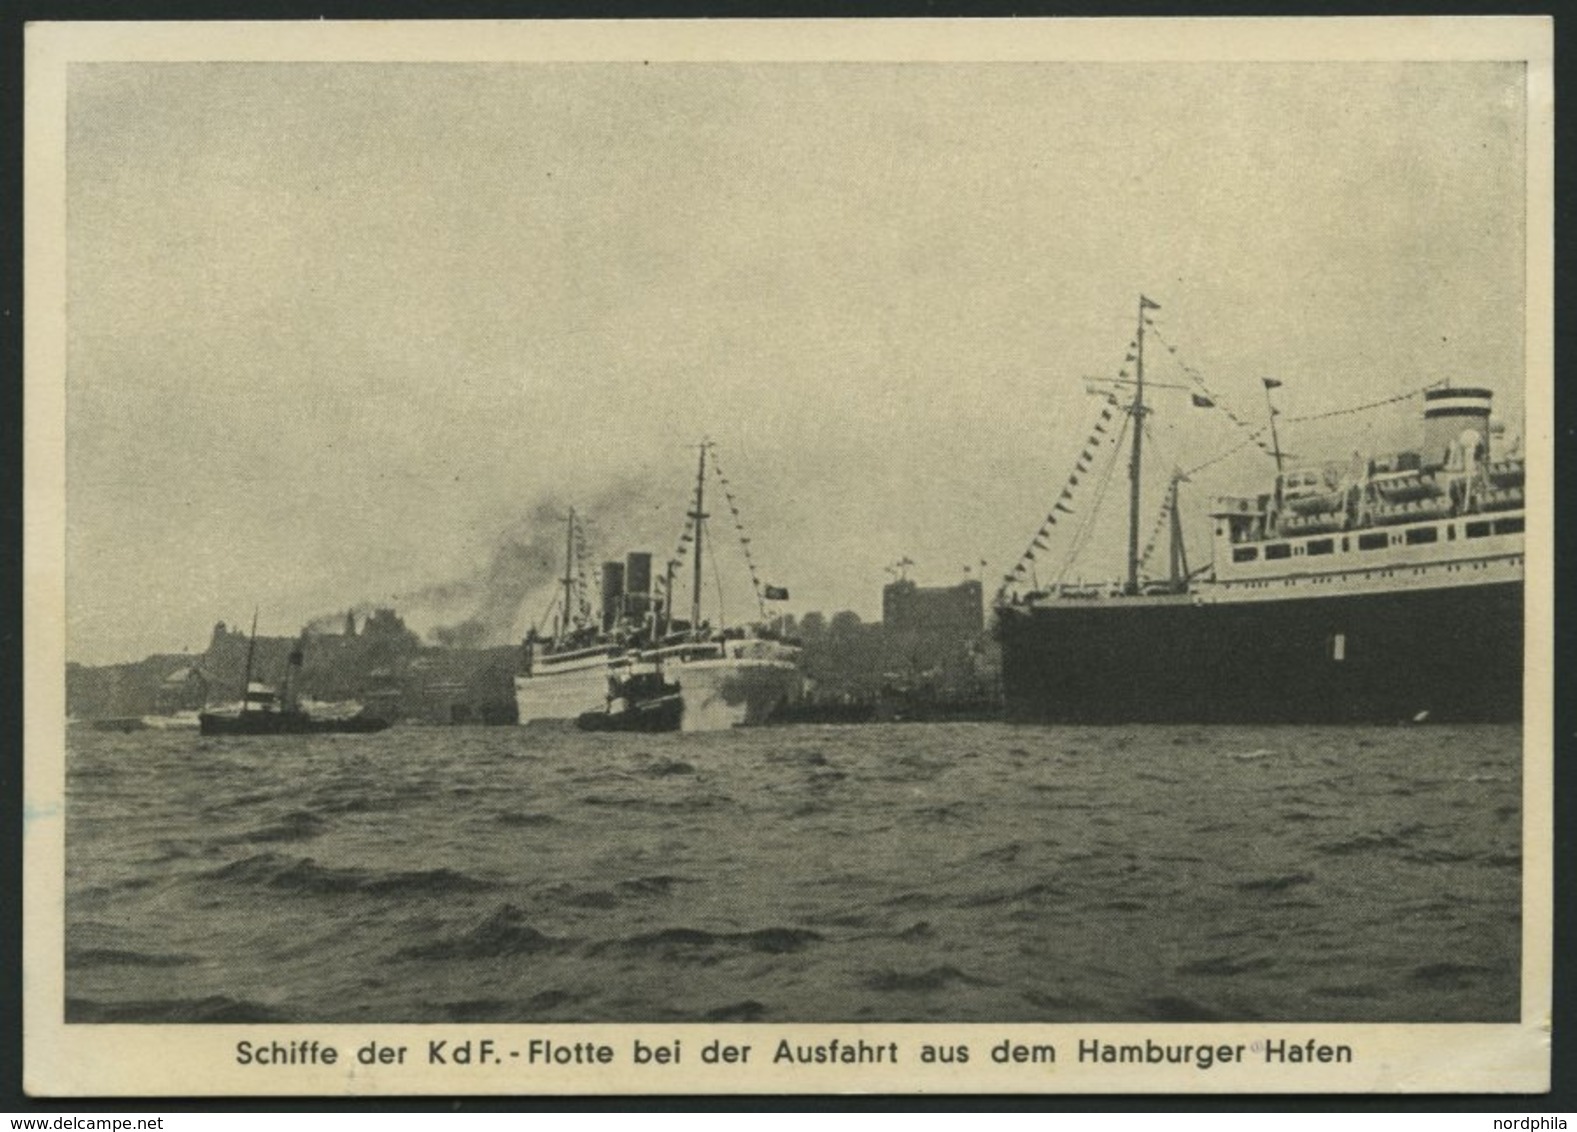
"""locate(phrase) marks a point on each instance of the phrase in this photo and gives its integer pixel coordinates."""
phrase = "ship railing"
(1237, 506)
(685, 650)
(1081, 591)
(1502, 499)
(1509, 471)
(1319, 523)
(1412, 511)
(571, 655)
(1316, 502)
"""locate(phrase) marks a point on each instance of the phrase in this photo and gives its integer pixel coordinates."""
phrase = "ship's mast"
(251, 649)
(668, 600)
(1275, 438)
(1135, 463)
(1179, 555)
(698, 516)
(569, 576)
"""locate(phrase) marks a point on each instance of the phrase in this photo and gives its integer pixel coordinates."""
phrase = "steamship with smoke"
(1383, 589)
(724, 676)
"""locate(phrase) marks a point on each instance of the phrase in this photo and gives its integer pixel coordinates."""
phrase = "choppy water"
(876, 873)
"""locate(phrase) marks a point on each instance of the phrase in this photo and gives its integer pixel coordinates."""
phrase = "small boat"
(271, 722)
(173, 721)
(262, 713)
(642, 701)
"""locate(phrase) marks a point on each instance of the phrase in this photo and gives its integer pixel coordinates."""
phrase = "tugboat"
(641, 701)
(263, 713)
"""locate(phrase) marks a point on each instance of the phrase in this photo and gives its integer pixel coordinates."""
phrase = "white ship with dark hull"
(726, 676)
(725, 679)
(1356, 591)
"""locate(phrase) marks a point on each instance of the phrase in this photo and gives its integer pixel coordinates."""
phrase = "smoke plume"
(487, 607)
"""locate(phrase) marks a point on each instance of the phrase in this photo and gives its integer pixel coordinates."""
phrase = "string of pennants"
(1216, 459)
(1100, 435)
(1255, 437)
(1155, 532)
(583, 610)
(1208, 398)
(739, 528)
(1212, 400)
(1086, 528)
(1409, 395)
(681, 549)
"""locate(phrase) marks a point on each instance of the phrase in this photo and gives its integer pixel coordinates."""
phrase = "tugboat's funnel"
(612, 594)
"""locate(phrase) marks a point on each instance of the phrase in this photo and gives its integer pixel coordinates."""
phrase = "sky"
(349, 335)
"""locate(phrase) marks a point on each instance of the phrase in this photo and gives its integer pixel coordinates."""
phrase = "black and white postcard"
(828, 556)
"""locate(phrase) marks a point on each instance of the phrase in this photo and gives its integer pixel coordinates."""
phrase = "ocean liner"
(726, 676)
(1369, 589)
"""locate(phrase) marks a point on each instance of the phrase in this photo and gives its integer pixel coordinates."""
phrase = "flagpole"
(698, 516)
(1275, 441)
(1135, 462)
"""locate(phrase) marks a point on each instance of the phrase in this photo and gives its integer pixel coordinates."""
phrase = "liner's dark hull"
(1455, 654)
(285, 723)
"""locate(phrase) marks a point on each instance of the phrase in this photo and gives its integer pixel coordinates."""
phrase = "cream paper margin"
(171, 1060)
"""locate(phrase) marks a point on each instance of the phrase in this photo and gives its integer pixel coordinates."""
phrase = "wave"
(305, 875)
(660, 885)
(82, 957)
(298, 825)
(1031, 892)
(1449, 976)
(1003, 854)
(1124, 905)
(640, 888)
(934, 978)
(678, 941)
(1062, 1004)
(803, 756)
(1226, 965)
(165, 851)
(215, 1008)
(948, 812)
(699, 802)
(663, 766)
(1177, 1008)
(519, 818)
(503, 934)
(1437, 857)
(1278, 883)
(505, 1010)
(1346, 992)
(1367, 842)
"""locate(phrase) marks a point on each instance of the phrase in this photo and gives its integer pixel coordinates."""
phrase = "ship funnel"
(638, 572)
(637, 584)
(612, 593)
(293, 676)
(1448, 413)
